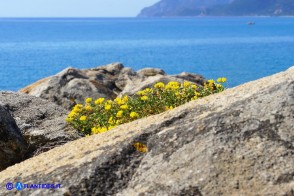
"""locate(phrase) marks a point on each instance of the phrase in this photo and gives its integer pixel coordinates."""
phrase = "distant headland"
(171, 8)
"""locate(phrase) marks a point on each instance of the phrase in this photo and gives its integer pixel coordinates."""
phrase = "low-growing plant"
(100, 115)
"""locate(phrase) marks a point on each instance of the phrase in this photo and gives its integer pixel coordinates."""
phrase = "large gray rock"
(126, 77)
(42, 123)
(13, 147)
(72, 86)
(238, 142)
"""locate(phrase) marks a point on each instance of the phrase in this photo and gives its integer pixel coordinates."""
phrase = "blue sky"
(72, 8)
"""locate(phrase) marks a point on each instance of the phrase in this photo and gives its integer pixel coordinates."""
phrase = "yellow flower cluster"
(88, 108)
(159, 85)
(121, 101)
(173, 85)
(96, 130)
(88, 100)
(102, 115)
(83, 118)
(119, 114)
(99, 101)
(107, 106)
(186, 84)
(144, 98)
(124, 107)
(221, 80)
(134, 115)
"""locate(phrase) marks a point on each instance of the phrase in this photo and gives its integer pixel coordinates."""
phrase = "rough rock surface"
(12, 145)
(73, 85)
(42, 123)
(238, 142)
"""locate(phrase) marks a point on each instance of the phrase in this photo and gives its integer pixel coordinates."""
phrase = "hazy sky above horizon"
(72, 8)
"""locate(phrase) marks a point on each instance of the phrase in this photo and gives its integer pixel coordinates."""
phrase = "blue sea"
(34, 48)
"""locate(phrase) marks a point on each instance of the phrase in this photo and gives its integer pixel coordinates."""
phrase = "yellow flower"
(140, 93)
(125, 99)
(134, 115)
(221, 80)
(83, 118)
(144, 98)
(119, 114)
(118, 122)
(159, 85)
(209, 85)
(197, 95)
(169, 108)
(103, 129)
(187, 84)
(107, 107)
(109, 102)
(89, 108)
(148, 90)
(72, 114)
(194, 87)
(99, 101)
(121, 101)
(77, 108)
(210, 81)
(88, 100)
(96, 130)
(218, 86)
(124, 107)
(118, 100)
(68, 119)
(111, 121)
(172, 85)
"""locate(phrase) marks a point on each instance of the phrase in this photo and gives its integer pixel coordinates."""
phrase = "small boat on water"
(251, 23)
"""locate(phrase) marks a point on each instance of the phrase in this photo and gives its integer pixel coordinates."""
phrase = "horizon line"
(105, 17)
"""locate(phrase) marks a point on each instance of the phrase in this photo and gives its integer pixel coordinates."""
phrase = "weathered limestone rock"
(238, 142)
(73, 85)
(42, 123)
(13, 147)
(127, 76)
(151, 72)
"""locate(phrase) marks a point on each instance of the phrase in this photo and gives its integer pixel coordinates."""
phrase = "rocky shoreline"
(238, 142)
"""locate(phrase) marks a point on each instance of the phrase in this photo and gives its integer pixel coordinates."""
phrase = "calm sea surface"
(31, 49)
